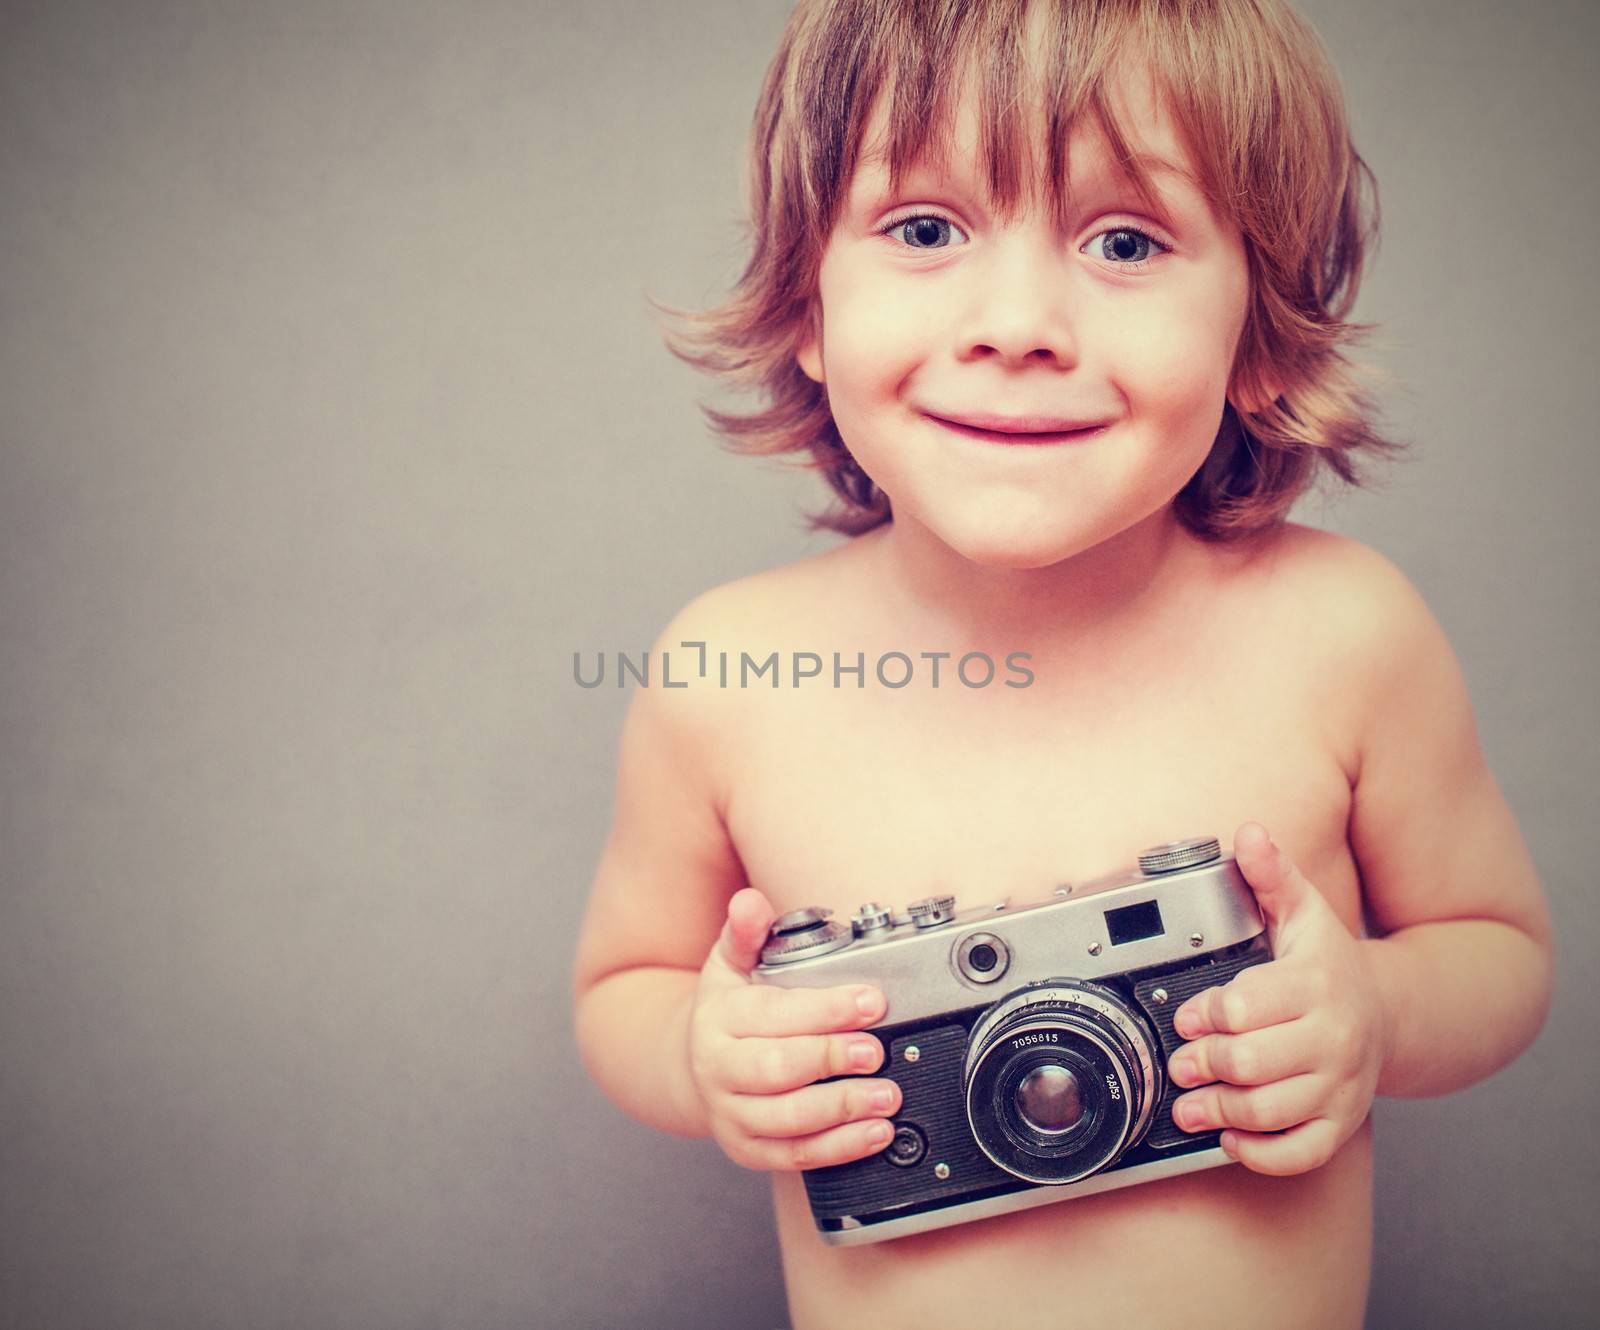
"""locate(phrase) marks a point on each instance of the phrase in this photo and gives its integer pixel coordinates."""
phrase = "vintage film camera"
(1029, 1042)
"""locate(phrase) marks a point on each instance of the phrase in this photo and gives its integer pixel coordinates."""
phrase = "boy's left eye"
(924, 231)
(1126, 246)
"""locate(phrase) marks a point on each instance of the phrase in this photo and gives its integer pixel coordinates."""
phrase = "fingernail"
(1182, 1068)
(1186, 1024)
(869, 1002)
(1188, 1116)
(864, 1054)
(1230, 1144)
(880, 1132)
(882, 1100)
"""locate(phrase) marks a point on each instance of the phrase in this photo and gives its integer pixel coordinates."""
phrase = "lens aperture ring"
(1091, 1034)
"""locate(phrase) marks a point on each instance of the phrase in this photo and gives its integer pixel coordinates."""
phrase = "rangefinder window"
(1134, 923)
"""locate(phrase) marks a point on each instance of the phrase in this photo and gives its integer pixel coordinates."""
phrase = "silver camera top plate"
(1123, 921)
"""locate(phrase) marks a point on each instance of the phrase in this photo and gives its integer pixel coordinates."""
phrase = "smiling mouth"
(1020, 438)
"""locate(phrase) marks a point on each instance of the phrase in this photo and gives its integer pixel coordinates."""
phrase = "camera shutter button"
(870, 918)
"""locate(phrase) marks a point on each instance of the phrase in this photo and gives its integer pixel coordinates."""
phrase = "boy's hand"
(754, 1052)
(1296, 1044)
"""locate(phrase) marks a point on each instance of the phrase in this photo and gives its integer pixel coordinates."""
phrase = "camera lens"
(1050, 1099)
(1061, 1079)
(982, 958)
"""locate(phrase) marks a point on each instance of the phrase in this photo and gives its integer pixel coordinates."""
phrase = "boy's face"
(1128, 322)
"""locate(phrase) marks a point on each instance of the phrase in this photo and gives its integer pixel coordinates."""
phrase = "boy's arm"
(668, 1021)
(1287, 1056)
(659, 898)
(1461, 953)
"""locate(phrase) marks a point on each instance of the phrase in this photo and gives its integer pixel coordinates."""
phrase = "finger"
(838, 1145)
(744, 932)
(814, 1108)
(1275, 1107)
(1253, 999)
(1308, 1146)
(1256, 1057)
(779, 1012)
(771, 1066)
(1280, 888)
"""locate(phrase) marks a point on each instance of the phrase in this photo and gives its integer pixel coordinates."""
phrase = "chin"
(1021, 532)
(994, 546)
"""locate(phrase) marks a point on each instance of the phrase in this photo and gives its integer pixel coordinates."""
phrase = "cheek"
(871, 350)
(1180, 364)
(865, 332)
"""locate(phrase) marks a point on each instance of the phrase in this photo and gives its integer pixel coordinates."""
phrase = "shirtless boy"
(1053, 294)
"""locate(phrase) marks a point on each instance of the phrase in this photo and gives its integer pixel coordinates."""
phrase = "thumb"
(750, 915)
(1281, 889)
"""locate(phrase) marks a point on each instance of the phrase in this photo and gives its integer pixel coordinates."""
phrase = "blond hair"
(1257, 99)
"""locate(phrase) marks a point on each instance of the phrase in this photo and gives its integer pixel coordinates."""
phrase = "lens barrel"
(1061, 1078)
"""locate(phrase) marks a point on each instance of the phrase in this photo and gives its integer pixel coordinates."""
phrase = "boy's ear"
(809, 354)
(809, 351)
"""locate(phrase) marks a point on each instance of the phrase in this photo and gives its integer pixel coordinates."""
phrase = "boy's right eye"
(923, 230)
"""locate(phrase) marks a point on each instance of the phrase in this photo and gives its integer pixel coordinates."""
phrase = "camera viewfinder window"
(1134, 923)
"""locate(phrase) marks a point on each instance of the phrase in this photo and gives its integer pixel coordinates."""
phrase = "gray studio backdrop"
(333, 422)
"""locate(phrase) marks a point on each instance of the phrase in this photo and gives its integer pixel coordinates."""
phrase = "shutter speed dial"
(1178, 855)
(931, 911)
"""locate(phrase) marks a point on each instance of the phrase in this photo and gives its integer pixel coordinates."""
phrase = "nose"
(1019, 312)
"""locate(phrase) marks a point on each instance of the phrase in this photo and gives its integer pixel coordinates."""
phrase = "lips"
(1020, 429)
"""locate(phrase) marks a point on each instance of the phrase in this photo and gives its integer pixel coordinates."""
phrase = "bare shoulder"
(1331, 583)
(757, 613)
(766, 603)
(1344, 617)
(1349, 604)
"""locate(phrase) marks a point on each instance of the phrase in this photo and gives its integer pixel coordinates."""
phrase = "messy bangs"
(929, 56)
(1255, 98)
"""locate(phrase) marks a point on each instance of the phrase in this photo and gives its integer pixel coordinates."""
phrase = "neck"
(1084, 599)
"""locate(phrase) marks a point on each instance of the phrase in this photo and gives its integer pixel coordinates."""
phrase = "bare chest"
(840, 796)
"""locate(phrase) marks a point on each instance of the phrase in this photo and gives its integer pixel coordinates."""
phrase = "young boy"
(1053, 294)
